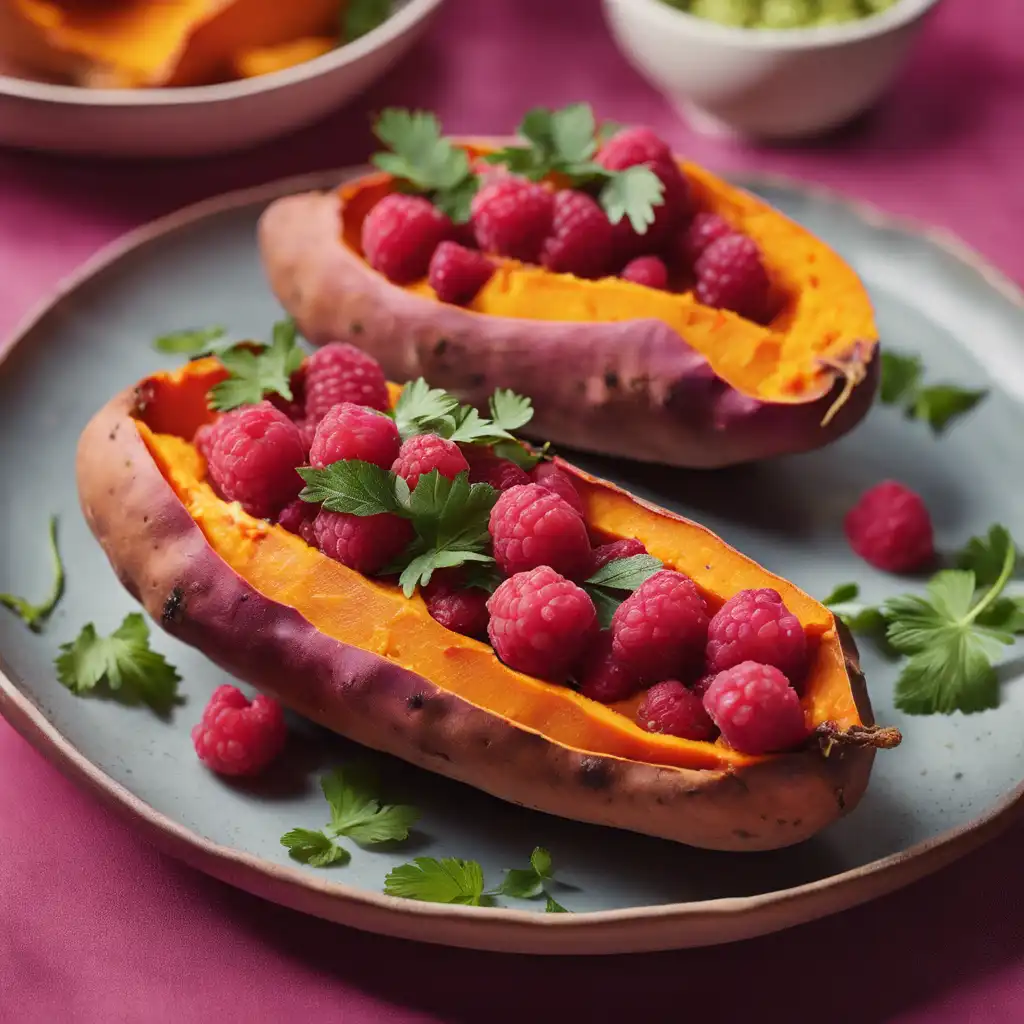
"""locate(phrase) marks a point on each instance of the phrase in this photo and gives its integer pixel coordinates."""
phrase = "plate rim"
(631, 929)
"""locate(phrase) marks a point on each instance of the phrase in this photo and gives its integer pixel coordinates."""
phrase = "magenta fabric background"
(96, 926)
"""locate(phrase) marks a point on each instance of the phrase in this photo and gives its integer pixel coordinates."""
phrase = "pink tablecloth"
(96, 926)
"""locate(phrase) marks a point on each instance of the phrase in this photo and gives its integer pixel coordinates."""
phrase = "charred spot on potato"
(415, 702)
(141, 398)
(594, 772)
(439, 348)
(477, 380)
(356, 328)
(174, 606)
(841, 799)
(113, 433)
(742, 833)
(611, 380)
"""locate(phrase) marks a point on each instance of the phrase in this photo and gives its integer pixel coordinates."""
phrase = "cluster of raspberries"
(406, 237)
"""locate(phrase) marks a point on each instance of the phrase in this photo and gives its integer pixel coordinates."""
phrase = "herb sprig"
(358, 17)
(616, 580)
(35, 615)
(254, 375)
(938, 405)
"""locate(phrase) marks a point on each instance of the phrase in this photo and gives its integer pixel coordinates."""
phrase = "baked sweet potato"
(612, 367)
(355, 655)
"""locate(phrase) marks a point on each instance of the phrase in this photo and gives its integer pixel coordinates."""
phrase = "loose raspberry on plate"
(354, 432)
(252, 453)
(532, 526)
(731, 275)
(602, 677)
(363, 543)
(487, 468)
(458, 608)
(297, 517)
(236, 737)
(756, 709)
(605, 553)
(702, 231)
(340, 372)
(540, 622)
(549, 476)
(672, 709)
(400, 234)
(660, 630)
(755, 625)
(650, 271)
(890, 528)
(422, 453)
(580, 242)
(456, 273)
(512, 217)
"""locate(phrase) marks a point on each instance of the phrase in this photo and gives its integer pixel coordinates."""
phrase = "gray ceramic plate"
(952, 784)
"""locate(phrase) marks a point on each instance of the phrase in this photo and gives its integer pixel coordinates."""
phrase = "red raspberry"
(625, 548)
(701, 686)
(457, 273)
(551, 478)
(425, 452)
(668, 216)
(703, 230)
(486, 468)
(532, 526)
(235, 737)
(649, 271)
(363, 543)
(512, 217)
(354, 432)
(756, 709)
(602, 678)
(340, 372)
(460, 609)
(307, 431)
(632, 146)
(672, 709)
(580, 242)
(400, 235)
(540, 622)
(202, 439)
(660, 630)
(297, 517)
(890, 528)
(731, 275)
(755, 625)
(252, 455)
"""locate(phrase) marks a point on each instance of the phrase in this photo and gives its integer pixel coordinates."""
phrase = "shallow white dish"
(203, 120)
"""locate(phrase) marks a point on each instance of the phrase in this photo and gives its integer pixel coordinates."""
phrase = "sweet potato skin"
(163, 559)
(633, 389)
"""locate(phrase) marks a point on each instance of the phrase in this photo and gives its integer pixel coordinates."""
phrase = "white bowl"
(207, 119)
(760, 82)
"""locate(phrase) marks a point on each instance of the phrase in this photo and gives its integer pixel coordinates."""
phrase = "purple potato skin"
(633, 389)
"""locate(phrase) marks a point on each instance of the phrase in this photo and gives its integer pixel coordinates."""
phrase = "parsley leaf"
(421, 409)
(448, 880)
(425, 161)
(984, 556)
(633, 193)
(552, 906)
(255, 375)
(859, 618)
(34, 615)
(608, 587)
(362, 16)
(1006, 615)
(353, 486)
(900, 377)
(842, 593)
(317, 849)
(123, 662)
(527, 883)
(190, 341)
(510, 411)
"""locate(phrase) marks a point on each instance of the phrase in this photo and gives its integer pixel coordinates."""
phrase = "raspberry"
(602, 678)
(672, 709)
(754, 625)
(632, 146)
(756, 709)
(354, 432)
(456, 273)
(731, 275)
(649, 271)
(704, 229)
(532, 526)
(252, 455)
(486, 468)
(307, 431)
(890, 528)
(235, 737)
(580, 242)
(701, 686)
(625, 548)
(540, 622)
(551, 478)
(363, 543)
(340, 372)
(203, 438)
(661, 628)
(400, 235)
(512, 217)
(297, 517)
(425, 452)
(460, 609)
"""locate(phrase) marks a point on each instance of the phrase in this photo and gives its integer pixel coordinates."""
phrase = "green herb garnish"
(192, 341)
(613, 582)
(254, 375)
(34, 615)
(359, 17)
(938, 405)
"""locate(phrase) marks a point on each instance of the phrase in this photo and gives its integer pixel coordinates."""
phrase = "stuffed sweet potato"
(645, 358)
(348, 648)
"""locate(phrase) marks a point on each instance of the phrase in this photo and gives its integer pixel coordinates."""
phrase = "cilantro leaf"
(1005, 615)
(34, 615)
(315, 848)
(626, 573)
(528, 883)
(510, 411)
(842, 594)
(574, 133)
(254, 375)
(190, 341)
(552, 906)
(516, 452)
(362, 16)
(448, 880)
(472, 428)
(421, 409)
(353, 486)
(984, 556)
(358, 813)
(124, 663)
(900, 377)
(633, 193)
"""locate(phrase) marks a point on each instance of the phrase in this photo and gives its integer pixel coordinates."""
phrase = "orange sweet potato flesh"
(376, 617)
